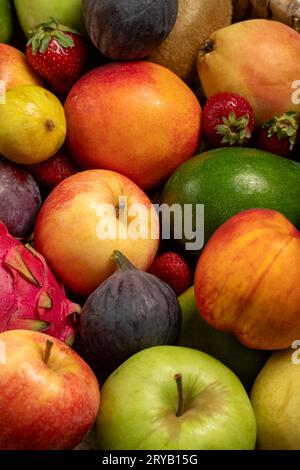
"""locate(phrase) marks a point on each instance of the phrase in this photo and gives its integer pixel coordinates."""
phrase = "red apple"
(68, 228)
(136, 118)
(49, 395)
(247, 280)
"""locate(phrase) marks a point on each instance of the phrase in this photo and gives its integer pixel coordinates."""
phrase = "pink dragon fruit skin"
(30, 296)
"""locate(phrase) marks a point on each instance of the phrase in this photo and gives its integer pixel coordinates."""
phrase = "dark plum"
(129, 312)
(20, 199)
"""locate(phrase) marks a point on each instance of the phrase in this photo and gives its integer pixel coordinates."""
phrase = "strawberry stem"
(51, 29)
(284, 126)
(234, 130)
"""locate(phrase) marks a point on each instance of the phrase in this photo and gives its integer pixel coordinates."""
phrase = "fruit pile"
(149, 224)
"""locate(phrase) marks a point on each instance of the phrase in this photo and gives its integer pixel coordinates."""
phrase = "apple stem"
(180, 406)
(49, 346)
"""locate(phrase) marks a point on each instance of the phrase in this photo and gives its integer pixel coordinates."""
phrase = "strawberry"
(57, 53)
(227, 119)
(279, 134)
(50, 173)
(174, 270)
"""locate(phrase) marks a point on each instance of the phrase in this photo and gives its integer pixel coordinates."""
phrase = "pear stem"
(180, 406)
(49, 346)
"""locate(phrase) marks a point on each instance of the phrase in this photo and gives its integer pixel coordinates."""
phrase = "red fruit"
(279, 134)
(227, 119)
(50, 173)
(174, 270)
(57, 53)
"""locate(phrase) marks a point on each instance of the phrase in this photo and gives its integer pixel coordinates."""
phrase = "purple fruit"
(20, 199)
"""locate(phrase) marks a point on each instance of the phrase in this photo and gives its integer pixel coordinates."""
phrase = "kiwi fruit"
(285, 11)
(241, 9)
(196, 21)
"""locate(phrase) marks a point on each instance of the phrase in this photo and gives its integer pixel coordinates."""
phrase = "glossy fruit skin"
(14, 68)
(33, 12)
(53, 171)
(59, 401)
(275, 400)
(196, 333)
(239, 281)
(139, 401)
(111, 125)
(243, 57)
(218, 107)
(274, 144)
(72, 212)
(230, 180)
(34, 125)
(20, 199)
(172, 269)
(129, 312)
(60, 67)
(129, 30)
(6, 21)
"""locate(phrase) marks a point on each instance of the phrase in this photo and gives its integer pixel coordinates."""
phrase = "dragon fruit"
(31, 298)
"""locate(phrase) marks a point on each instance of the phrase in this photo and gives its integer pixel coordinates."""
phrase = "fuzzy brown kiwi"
(196, 21)
(241, 9)
(285, 11)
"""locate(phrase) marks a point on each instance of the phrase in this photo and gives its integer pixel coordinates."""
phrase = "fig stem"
(180, 405)
(121, 260)
(49, 346)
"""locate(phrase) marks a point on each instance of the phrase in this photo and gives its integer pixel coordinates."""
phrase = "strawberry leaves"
(52, 29)
(284, 126)
(234, 130)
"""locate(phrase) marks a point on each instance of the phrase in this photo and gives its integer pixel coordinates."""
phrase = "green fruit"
(141, 406)
(276, 402)
(197, 334)
(230, 180)
(33, 12)
(6, 21)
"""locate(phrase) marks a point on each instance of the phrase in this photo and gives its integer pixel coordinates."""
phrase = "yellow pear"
(276, 402)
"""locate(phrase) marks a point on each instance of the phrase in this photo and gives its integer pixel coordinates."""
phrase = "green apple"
(6, 21)
(276, 401)
(33, 12)
(174, 398)
(196, 333)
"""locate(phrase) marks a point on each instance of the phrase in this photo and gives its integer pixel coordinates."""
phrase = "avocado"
(230, 180)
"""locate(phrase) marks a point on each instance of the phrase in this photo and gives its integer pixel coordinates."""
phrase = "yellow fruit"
(33, 125)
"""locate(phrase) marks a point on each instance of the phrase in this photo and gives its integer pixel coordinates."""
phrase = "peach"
(259, 59)
(75, 229)
(14, 68)
(247, 280)
(136, 118)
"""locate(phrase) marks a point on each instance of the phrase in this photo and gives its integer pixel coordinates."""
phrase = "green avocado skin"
(6, 21)
(230, 180)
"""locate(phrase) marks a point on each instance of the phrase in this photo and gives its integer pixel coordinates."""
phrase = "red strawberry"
(57, 53)
(227, 119)
(50, 173)
(174, 270)
(279, 134)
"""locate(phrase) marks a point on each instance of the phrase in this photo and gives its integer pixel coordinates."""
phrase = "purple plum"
(20, 199)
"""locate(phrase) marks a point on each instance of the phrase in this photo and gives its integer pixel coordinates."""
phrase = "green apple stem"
(49, 346)
(180, 406)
